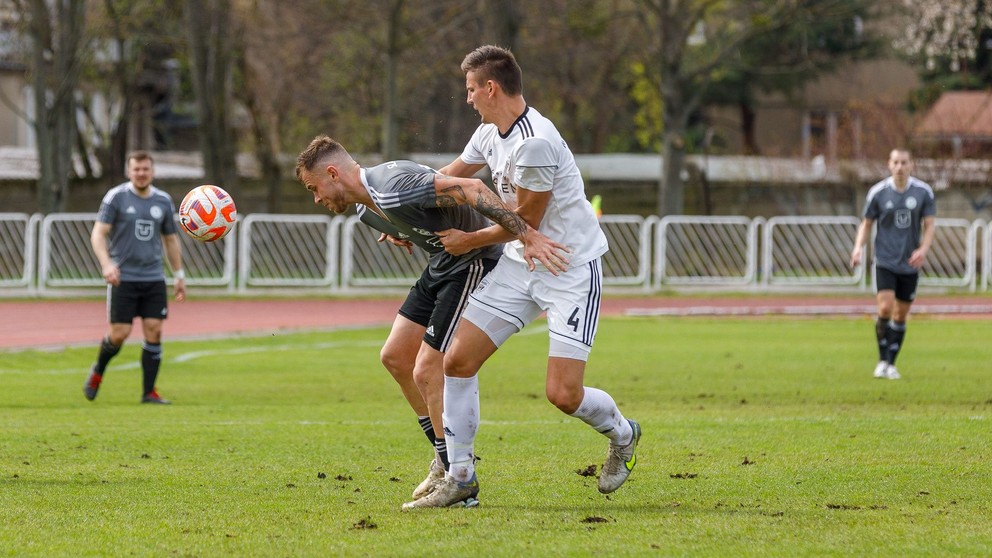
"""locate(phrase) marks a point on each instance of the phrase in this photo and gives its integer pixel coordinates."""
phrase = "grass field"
(762, 437)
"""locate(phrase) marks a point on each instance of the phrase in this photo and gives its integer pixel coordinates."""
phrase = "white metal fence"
(51, 254)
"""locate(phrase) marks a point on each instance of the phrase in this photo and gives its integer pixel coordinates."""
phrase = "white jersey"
(534, 156)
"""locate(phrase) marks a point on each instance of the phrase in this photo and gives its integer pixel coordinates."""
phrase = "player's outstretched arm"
(474, 192)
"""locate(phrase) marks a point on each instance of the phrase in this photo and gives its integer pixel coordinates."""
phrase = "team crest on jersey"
(482, 284)
(156, 212)
(911, 203)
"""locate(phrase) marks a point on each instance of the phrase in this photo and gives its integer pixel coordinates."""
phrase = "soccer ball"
(207, 213)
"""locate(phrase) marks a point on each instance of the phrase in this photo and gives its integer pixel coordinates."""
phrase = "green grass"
(762, 437)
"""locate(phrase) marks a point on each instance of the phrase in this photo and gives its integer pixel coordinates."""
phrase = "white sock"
(599, 411)
(461, 422)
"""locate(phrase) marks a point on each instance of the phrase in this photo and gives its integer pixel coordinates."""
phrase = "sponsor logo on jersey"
(903, 218)
(144, 229)
(130, 209)
(889, 205)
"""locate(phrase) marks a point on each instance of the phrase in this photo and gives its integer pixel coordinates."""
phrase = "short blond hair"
(320, 148)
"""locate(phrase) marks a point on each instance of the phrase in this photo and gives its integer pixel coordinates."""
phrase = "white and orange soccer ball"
(207, 213)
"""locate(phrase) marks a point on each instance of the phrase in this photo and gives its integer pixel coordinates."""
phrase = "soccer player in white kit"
(535, 173)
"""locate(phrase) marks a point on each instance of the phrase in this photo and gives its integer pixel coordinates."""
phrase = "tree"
(952, 40)
(948, 31)
(57, 48)
(208, 27)
(810, 46)
(126, 88)
(588, 92)
(698, 42)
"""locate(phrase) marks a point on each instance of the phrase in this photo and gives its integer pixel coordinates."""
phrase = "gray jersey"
(899, 216)
(136, 228)
(404, 192)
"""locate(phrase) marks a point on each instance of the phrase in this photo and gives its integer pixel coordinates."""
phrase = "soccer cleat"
(153, 397)
(880, 369)
(449, 494)
(891, 372)
(620, 461)
(434, 479)
(92, 385)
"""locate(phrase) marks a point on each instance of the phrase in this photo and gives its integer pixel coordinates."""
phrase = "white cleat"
(620, 461)
(881, 369)
(891, 373)
(434, 479)
(449, 494)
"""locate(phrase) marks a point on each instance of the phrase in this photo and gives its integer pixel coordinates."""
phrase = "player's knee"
(885, 311)
(428, 378)
(458, 365)
(393, 362)
(118, 334)
(566, 401)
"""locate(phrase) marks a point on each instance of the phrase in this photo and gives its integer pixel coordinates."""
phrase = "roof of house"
(963, 114)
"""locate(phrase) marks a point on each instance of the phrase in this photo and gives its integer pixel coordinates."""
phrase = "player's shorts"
(904, 284)
(130, 299)
(437, 304)
(518, 296)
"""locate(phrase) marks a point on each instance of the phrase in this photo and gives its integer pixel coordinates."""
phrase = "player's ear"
(332, 172)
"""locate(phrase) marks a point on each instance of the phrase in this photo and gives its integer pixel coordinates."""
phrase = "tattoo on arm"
(492, 207)
(486, 203)
(449, 196)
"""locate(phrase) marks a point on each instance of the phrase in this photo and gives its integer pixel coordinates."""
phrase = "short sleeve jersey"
(899, 216)
(137, 225)
(404, 192)
(533, 155)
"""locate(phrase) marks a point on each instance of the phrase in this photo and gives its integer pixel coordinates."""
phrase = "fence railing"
(51, 254)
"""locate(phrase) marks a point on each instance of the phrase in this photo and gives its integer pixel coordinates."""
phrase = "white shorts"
(518, 296)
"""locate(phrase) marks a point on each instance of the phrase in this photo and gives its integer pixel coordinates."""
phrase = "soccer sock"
(151, 358)
(461, 423)
(441, 448)
(881, 326)
(107, 352)
(428, 428)
(599, 411)
(894, 336)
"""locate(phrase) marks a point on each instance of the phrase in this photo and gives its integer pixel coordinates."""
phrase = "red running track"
(56, 323)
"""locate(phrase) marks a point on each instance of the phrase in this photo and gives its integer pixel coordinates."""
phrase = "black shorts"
(904, 284)
(130, 299)
(437, 304)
